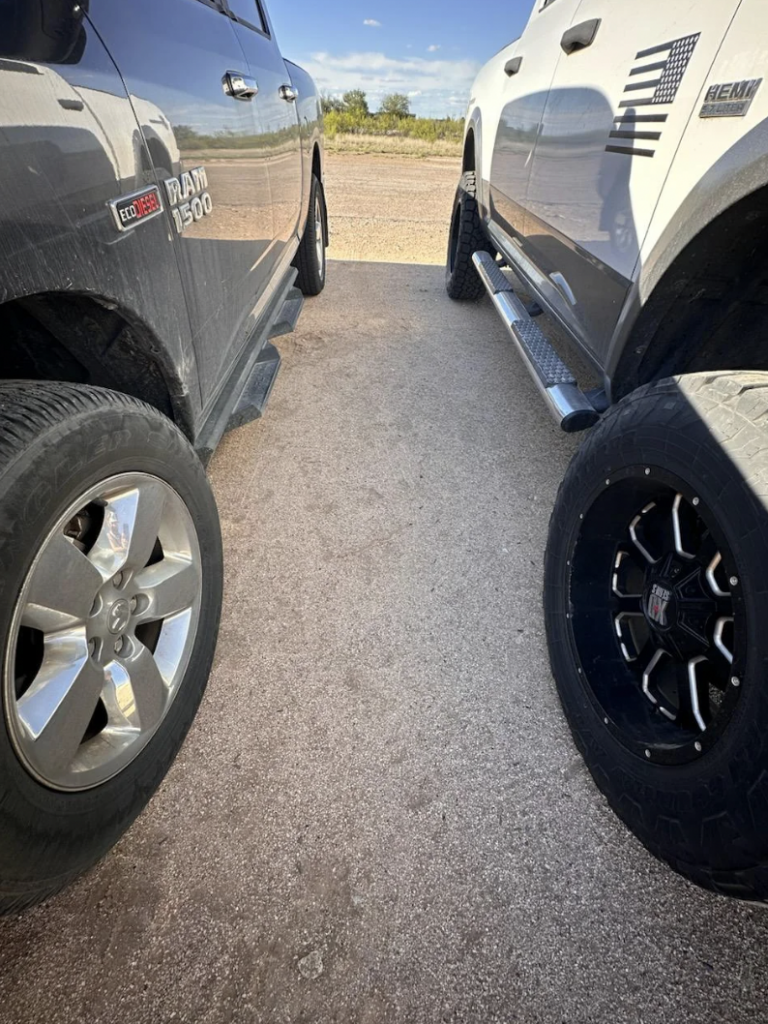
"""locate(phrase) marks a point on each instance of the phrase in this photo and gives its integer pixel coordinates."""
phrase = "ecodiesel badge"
(134, 209)
(731, 99)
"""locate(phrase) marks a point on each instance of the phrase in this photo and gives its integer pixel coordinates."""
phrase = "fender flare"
(739, 172)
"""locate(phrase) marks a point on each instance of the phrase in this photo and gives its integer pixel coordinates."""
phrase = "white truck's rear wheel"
(466, 238)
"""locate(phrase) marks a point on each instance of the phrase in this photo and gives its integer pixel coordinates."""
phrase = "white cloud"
(372, 23)
(442, 85)
(433, 48)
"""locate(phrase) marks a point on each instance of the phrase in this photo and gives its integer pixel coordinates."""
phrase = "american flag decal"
(656, 83)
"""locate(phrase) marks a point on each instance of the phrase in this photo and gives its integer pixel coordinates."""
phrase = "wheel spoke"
(712, 568)
(628, 605)
(690, 705)
(653, 663)
(57, 708)
(147, 685)
(129, 533)
(170, 586)
(62, 589)
(718, 638)
(636, 540)
(677, 528)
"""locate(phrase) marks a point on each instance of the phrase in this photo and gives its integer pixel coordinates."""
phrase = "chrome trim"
(676, 527)
(693, 685)
(711, 577)
(633, 535)
(718, 638)
(647, 675)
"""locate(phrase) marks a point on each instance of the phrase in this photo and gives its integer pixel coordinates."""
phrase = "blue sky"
(430, 49)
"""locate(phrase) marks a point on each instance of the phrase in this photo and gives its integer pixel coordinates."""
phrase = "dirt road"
(379, 816)
(391, 210)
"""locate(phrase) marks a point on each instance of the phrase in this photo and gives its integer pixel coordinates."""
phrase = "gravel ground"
(379, 815)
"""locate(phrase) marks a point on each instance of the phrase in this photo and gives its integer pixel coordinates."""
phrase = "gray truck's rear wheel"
(110, 595)
(467, 237)
(311, 259)
(655, 602)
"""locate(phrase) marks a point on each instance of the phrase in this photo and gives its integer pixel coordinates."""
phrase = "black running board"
(568, 404)
(258, 388)
(246, 392)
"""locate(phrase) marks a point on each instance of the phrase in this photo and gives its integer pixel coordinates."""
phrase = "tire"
(67, 796)
(685, 463)
(467, 236)
(311, 259)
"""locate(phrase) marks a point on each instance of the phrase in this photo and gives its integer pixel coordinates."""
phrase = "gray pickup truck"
(162, 215)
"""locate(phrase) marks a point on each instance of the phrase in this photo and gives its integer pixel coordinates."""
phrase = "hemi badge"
(733, 99)
(132, 210)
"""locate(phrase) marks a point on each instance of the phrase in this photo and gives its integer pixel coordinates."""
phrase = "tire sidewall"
(64, 832)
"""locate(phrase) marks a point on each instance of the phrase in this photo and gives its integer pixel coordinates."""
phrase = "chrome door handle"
(240, 87)
(288, 93)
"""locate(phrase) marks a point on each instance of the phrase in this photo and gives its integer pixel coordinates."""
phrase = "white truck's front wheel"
(655, 601)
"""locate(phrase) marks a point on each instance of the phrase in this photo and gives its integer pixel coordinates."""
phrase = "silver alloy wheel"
(102, 632)
(319, 235)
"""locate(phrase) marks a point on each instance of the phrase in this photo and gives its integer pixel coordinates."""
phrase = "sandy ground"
(379, 816)
(389, 209)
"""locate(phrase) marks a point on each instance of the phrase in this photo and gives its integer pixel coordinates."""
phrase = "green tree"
(356, 102)
(396, 103)
(331, 104)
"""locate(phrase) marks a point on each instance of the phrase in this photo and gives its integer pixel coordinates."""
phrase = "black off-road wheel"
(466, 238)
(110, 596)
(311, 259)
(656, 597)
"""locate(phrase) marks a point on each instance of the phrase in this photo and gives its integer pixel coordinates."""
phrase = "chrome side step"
(567, 403)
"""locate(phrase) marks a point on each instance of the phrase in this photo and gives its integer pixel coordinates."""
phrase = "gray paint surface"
(379, 815)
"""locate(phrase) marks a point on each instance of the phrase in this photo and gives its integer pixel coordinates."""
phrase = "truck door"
(627, 81)
(525, 79)
(180, 60)
(277, 108)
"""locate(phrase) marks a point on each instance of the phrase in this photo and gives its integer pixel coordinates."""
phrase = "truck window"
(249, 13)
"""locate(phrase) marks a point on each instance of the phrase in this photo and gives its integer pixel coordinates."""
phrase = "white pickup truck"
(616, 159)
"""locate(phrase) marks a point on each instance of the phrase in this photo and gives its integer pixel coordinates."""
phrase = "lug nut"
(117, 580)
(648, 473)
(119, 645)
(698, 746)
(647, 753)
(695, 501)
(735, 681)
(134, 604)
(92, 648)
(734, 581)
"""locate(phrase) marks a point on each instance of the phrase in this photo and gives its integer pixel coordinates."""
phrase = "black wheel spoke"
(627, 605)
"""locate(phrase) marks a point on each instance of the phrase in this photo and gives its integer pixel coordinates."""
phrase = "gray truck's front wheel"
(655, 600)
(110, 595)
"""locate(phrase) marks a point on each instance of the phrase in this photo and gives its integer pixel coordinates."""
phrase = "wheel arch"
(85, 338)
(699, 303)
